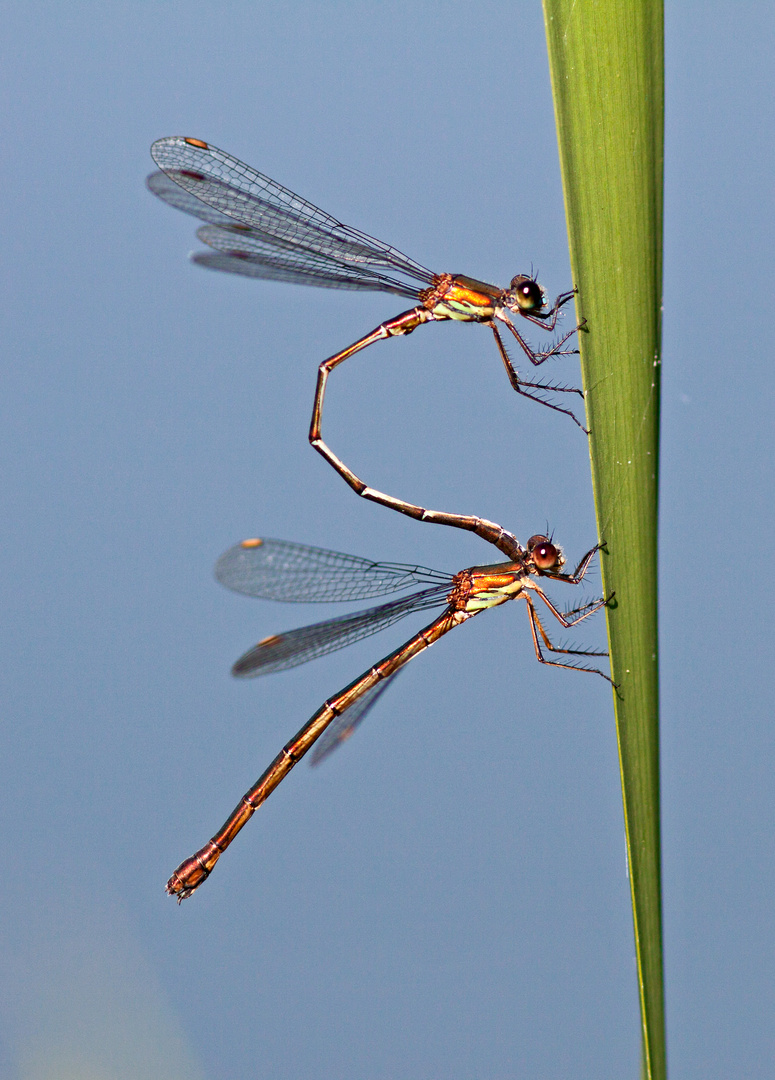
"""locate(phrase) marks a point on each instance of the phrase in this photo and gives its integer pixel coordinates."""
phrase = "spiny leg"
(562, 617)
(536, 628)
(579, 573)
(549, 320)
(580, 610)
(539, 357)
(519, 384)
(558, 648)
(556, 349)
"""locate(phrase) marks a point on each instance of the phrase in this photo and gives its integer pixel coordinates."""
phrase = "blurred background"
(447, 896)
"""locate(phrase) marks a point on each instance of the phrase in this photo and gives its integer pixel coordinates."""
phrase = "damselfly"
(279, 570)
(260, 229)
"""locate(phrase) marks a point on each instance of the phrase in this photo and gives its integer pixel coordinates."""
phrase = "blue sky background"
(447, 896)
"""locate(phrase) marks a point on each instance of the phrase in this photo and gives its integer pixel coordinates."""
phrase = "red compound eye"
(545, 554)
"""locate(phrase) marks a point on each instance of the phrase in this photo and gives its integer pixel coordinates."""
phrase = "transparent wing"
(341, 729)
(281, 651)
(281, 570)
(278, 216)
(173, 194)
(254, 256)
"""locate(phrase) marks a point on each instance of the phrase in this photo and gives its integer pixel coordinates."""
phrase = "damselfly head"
(544, 554)
(525, 295)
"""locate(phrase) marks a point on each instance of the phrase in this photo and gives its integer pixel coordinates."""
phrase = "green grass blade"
(606, 61)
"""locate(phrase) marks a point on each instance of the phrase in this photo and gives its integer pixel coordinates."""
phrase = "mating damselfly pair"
(260, 229)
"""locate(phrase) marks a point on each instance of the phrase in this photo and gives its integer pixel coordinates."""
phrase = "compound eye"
(528, 294)
(545, 554)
